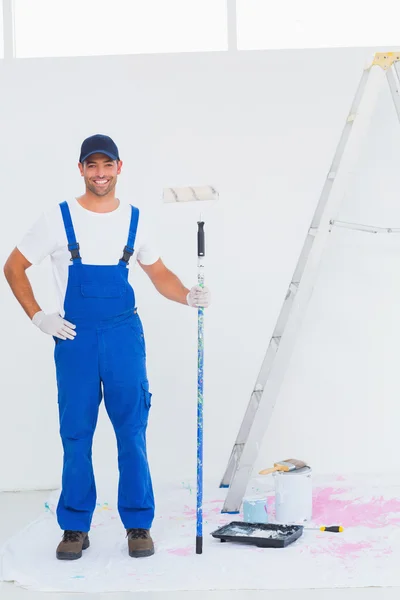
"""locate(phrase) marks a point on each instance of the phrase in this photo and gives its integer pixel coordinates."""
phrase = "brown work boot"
(140, 543)
(72, 544)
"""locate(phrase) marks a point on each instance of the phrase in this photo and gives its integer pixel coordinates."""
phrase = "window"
(272, 24)
(45, 28)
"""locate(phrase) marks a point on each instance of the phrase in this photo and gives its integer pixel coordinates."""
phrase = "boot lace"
(137, 534)
(72, 536)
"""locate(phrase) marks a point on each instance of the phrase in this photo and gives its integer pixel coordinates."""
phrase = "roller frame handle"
(201, 250)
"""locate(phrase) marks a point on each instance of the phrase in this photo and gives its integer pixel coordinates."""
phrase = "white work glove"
(199, 297)
(54, 325)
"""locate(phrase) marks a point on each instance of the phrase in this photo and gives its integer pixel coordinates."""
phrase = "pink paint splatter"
(190, 512)
(270, 504)
(385, 552)
(216, 511)
(187, 551)
(330, 509)
(342, 550)
(374, 513)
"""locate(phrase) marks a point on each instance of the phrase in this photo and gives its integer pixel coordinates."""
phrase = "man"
(99, 351)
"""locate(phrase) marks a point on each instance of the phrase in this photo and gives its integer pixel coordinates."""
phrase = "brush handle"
(269, 471)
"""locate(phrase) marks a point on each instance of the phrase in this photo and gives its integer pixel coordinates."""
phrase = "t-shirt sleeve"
(38, 242)
(147, 251)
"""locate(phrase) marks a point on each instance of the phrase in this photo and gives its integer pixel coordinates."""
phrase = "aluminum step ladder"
(385, 66)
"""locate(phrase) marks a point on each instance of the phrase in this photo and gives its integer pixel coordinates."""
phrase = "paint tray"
(262, 535)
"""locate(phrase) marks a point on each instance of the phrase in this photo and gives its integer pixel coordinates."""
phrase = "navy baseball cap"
(99, 144)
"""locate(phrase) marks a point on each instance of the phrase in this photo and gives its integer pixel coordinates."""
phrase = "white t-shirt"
(101, 237)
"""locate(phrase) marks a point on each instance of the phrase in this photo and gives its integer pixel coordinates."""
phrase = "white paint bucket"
(255, 510)
(293, 496)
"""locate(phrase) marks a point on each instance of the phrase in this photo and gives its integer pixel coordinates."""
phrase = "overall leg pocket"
(137, 329)
(57, 344)
(145, 401)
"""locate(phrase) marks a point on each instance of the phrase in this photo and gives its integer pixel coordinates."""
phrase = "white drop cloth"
(366, 554)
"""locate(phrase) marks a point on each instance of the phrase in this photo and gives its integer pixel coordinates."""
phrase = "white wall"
(262, 127)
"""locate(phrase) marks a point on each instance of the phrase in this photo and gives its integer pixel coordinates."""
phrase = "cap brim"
(109, 154)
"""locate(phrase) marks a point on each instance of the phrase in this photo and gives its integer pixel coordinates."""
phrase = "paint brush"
(291, 464)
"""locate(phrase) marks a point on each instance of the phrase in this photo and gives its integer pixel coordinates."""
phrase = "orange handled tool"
(291, 464)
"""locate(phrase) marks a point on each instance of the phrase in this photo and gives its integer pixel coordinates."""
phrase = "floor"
(18, 509)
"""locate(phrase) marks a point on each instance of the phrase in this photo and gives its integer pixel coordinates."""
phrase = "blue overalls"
(107, 358)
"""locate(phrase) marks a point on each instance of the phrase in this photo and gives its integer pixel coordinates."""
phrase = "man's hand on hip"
(54, 325)
(199, 297)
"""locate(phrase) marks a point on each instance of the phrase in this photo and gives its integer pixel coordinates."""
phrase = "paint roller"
(205, 193)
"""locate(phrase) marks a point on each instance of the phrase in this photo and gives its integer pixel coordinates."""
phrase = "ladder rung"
(277, 340)
(239, 447)
(256, 396)
(366, 228)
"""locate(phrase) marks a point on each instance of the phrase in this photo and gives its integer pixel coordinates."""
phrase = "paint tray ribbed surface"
(263, 535)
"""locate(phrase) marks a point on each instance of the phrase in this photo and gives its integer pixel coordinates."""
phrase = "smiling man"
(93, 241)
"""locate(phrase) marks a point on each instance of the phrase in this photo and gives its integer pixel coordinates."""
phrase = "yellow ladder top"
(385, 59)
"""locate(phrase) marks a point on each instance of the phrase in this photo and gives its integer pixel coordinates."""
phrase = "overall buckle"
(74, 249)
(127, 254)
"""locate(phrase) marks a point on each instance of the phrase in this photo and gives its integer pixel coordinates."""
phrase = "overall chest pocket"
(94, 290)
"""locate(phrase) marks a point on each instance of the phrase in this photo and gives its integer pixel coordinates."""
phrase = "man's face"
(100, 174)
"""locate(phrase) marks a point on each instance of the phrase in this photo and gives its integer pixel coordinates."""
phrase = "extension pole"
(200, 361)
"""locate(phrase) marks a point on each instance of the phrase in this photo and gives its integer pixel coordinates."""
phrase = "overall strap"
(130, 245)
(73, 245)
